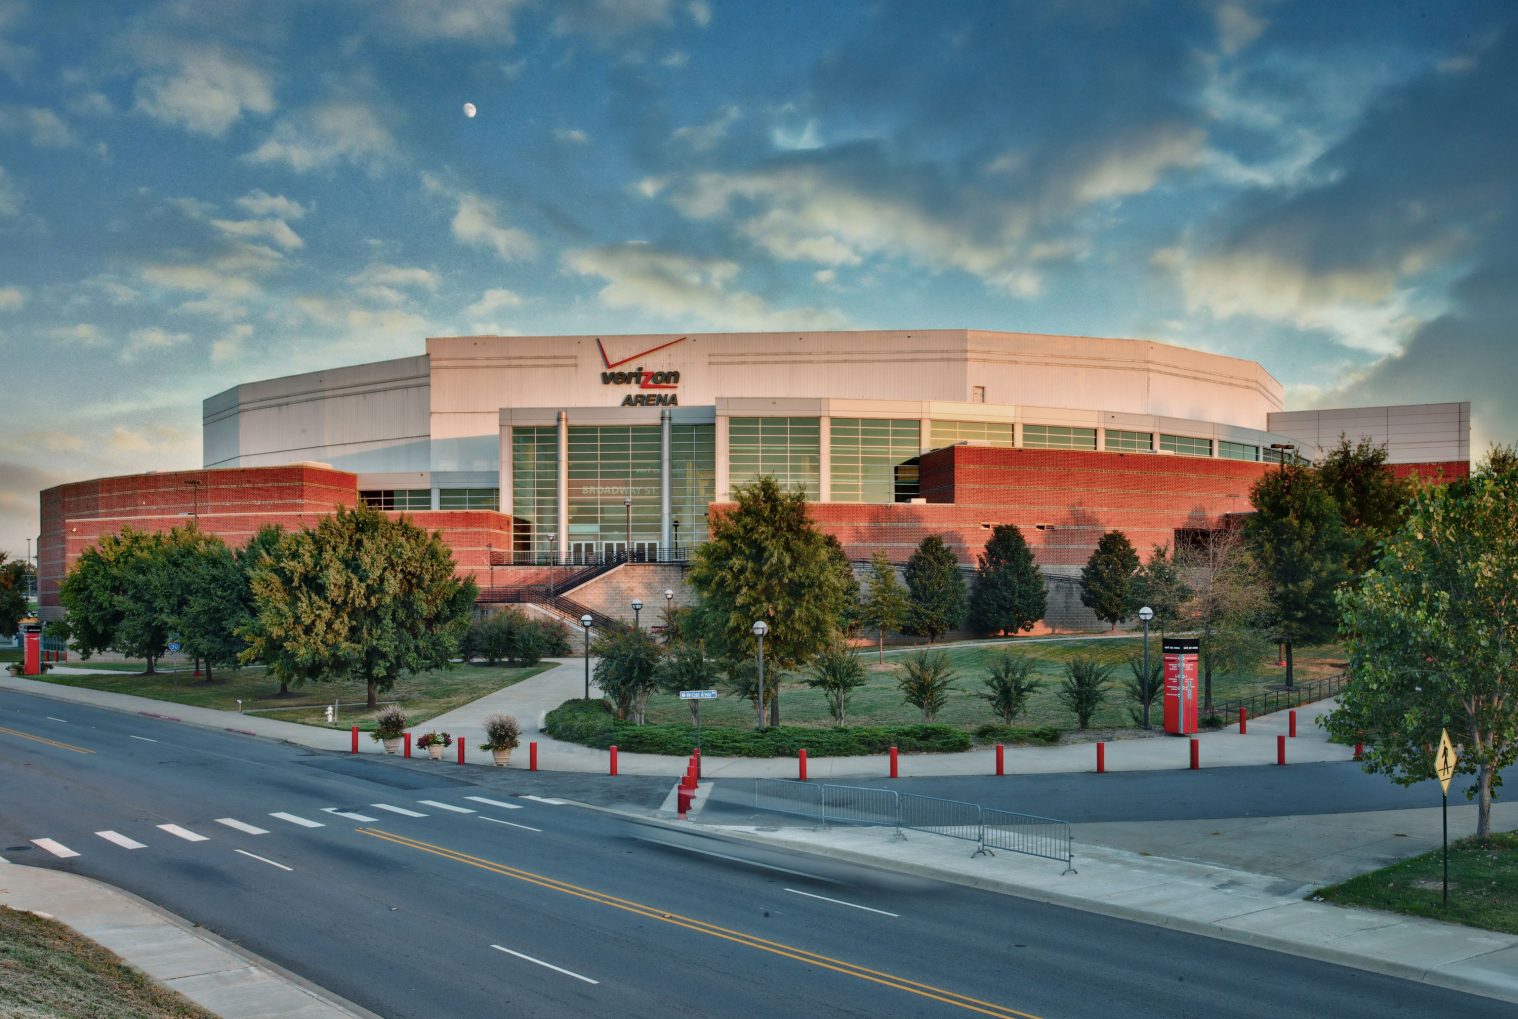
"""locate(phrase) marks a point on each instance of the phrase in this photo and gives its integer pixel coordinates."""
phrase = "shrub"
(1043, 734)
(389, 723)
(1009, 685)
(837, 672)
(1084, 688)
(502, 732)
(1135, 685)
(625, 672)
(926, 679)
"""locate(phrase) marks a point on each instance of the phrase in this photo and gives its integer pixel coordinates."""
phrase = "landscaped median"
(590, 723)
(1483, 885)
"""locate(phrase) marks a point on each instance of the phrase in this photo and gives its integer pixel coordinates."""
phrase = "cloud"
(12, 298)
(204, 90)
(259, 203)
(700, 12)
(200, 279)
(476, 222)
(1130, 163)
(1237, 27)
(701, 137)
(231, 344)
(492, 21)
(604, 21)
(82, 334)
(681, 287)
(492, 301)
(15, 58)
(154, 338)
(573, 136)
(43, 128)
(384, 283)
(10, 198)
(276, 231)
(325, 134)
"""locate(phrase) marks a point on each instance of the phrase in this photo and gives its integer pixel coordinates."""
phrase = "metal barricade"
(1027, 833)
(784, 796)
(952, 818)
(847, 804)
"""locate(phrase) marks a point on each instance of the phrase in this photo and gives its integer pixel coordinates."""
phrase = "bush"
(1084, 688)
(590, 723)
(926, 679)
(1009, 685)
(514, 636)
(1046, 735)
(1135, 686)
(837, 672)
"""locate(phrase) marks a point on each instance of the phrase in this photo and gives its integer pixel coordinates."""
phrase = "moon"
(469, 110)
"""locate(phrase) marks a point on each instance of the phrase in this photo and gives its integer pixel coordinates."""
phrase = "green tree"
(1084, 688)
(1228, 604)
(264, 544)
(925, 681)
(685, 666)
(1372, 501)
(766, 560)
(1008, 595)
(1298, 538)
(1432, 636)
(13, 603)
(1009, 683)
(626, 671)
(206, 596)
(112, 597)
(935, 590)
(885, 606)
(848, 615)
(1137, 683)
(837, 672)
(358, 596)
(1107, 578)
(1159, 585)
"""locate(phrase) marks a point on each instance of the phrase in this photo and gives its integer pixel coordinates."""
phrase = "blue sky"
(198, 194)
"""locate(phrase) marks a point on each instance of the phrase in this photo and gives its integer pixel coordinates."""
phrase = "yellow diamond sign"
(1444, 761)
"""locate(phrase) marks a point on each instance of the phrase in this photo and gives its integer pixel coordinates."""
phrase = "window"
(409, 499)
(991, 433)
(535, 491)
(609, 464)
(1058, 437)
(874, 459)
(1129, 442)
(790, 449)
(468, 498)
(1237, 451)
(1186, 445)
(977, 394)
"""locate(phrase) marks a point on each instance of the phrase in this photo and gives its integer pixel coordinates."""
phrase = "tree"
(1159, 585)
(925, 681)
(1372, 501)
(1084, 688)
(685, 666)
(112, 595)
(1431, 634)
(1008, 595)
(264, 544)
(1298, 538)
(935, 590)
(1145, 689)
(1009, 682)
(766, 560)
(837, 672)
(205, 595)
(13, 602)
(1107, 578)
(625, 673)
(359, 596)
(1228, 604)
(885, 606)
(848, 616)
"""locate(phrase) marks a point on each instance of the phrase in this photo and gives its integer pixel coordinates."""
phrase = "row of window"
(414, 499)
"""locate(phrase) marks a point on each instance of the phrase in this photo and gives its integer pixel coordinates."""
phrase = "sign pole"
(1446, 848)
(697, 705)
(1444, 769)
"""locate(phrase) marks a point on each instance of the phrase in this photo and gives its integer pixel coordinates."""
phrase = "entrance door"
(582, 552)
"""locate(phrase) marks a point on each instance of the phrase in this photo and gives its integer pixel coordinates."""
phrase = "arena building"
(534, 452)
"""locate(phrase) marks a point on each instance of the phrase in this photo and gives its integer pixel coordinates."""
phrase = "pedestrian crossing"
(120, 840)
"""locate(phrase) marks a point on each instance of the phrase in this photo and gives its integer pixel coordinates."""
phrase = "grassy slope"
(1483, 885)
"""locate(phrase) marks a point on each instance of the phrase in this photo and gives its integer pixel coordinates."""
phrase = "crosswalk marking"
(298, 820)
(184, 833)
(448, 806)
(121, 840)
(397, 810)
(349, 814)
(495, 803)
(56, 848)
(232, 822)
(546, 799)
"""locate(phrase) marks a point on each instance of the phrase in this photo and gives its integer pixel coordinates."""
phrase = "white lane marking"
(497, 820)
(397, 810)
(448, 806)
(184, 833)
(50, 718)
(58, 849)
(299, 820)
(143, 738)
(349, 814)
(840, 902)
(232, 822)
(545, 965)
(260, 859)
(121, 840)
(546, 799)
(495, 803)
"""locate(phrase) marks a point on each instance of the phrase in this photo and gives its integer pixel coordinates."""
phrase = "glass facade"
(990, 433)
(1058, 437)
(788, 448)
(534, 491)
(1237, 451)
(693, 481)
(1119, 441)
(609, 464)
(1186, 445)
(874, 459)
(469, 498)
(397, 499)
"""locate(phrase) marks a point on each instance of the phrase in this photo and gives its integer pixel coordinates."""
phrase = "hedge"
(590, 723)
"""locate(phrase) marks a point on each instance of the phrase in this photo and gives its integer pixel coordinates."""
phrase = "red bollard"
(1101, 757)
(1291, 722)
(801, 764)
(461, 749)
(1196, 754)
(1243, 721)
(1359, 751)
(532, 756)
(698, 762)
(1280, 749)
(355, 739)
(613, 760)
(894, 772)
(1001, 759)
(683, 799)
(408, 744)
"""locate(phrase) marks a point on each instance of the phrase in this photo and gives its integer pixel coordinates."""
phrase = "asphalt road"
(523, 906)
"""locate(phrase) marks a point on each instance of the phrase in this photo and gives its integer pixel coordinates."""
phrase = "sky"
(195, 195)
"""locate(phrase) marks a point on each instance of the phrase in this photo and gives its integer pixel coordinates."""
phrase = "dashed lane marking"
(232, 822)
(497, 820)
(58, 849)
(397, 810)
(546, 799)
(143, 738)
(545, 965)
(50, 718)
(261, 859)
(840, 902)
(495, 803)
(350, 815)
(184, 833)
(121, 840)
(298, 820)
(448, 806)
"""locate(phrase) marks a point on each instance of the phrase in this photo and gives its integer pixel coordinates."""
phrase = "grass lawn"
(879, 702)
(1483, 885)
(423, 696)
(46, 969)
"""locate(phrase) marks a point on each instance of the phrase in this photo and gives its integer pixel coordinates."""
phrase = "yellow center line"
(703, 927)
(44, 739)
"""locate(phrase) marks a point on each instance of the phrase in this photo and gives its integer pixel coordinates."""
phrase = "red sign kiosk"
(1181, 655)
(31, 649)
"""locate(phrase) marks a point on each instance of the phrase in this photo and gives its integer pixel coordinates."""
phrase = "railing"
(579, 574)
(1279, 700)
(987, 827)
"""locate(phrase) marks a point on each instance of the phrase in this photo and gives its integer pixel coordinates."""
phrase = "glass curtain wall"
(788, 448)
(607, 464)
(990, 433)
(693, 481)
(874, 459)
(534, 491)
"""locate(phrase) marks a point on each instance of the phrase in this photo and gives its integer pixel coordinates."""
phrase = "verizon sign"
(646, 382)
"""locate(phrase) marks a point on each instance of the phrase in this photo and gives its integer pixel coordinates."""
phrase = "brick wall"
(612, 593)
(1446, 471)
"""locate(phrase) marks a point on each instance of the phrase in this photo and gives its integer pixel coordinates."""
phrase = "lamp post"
(1280, 644)
(676, 525)
(553, 562)
(1283, 447)
(490, 561)
(194, 485)
(627, 507)
(585, 622)
(637, 604)
(760, 629)
(1146, 614)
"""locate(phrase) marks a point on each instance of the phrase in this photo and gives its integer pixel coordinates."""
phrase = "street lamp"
(1283, 447)
(676, 525)
(490, 559)
(637, 608)
(760, 629)
(585, 621)
(627, 506)
(553, 561)
(194, 486)
(1146, 614)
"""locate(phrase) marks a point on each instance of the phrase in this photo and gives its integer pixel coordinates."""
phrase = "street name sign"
(698, 695)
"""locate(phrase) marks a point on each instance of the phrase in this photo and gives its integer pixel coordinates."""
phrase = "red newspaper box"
(31, 649)
(1181, 654)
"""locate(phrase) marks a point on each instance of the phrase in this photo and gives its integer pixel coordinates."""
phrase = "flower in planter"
(428, 739)
(502, 732)
(389, 723)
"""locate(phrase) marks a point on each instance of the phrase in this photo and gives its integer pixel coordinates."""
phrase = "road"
(423, 889)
